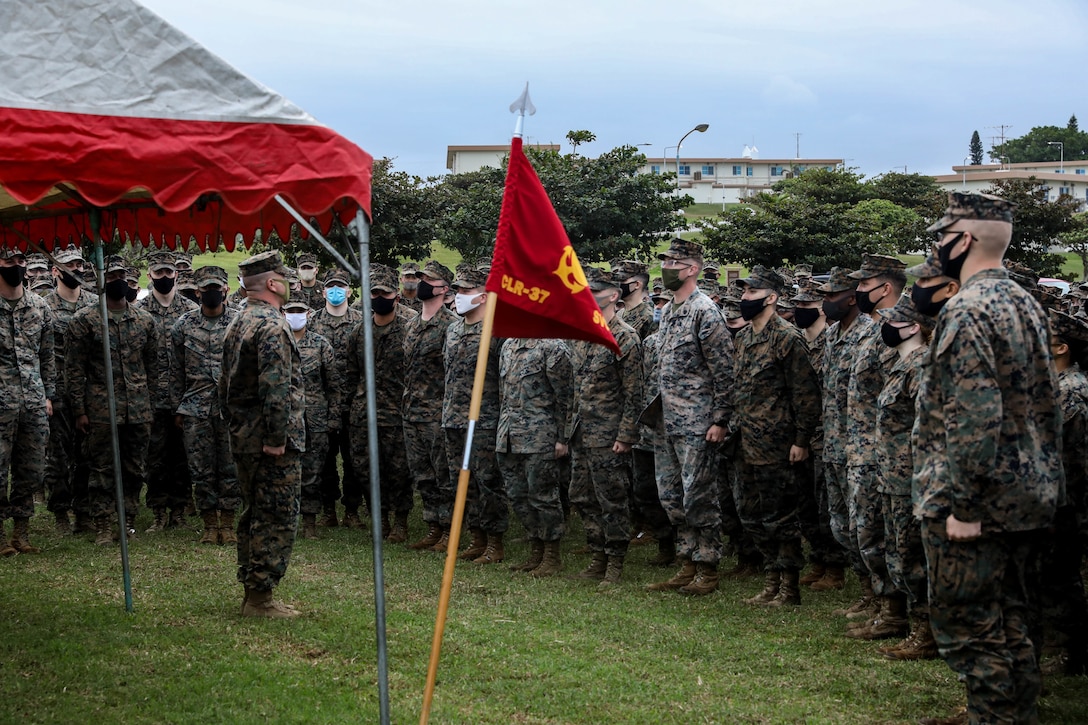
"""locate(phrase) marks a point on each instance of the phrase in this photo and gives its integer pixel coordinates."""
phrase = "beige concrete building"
(1057, 178)
(729, 180)
(462, 159)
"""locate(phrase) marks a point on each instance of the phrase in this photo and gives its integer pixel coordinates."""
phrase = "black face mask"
(923, 299)
(68, 280)
(382, 305)
(835, 311)
(132, 294)
(211, 298)
(626, 289)
(951, 267)
(425, 291)
(190, 294)
(891, 335)
(163, 285)
(805, 317)
(751, 308)
(14, 276)
(734, 330)
(865, 303)
(117, 290)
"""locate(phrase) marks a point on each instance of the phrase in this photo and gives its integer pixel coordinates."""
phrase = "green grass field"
(515, 650)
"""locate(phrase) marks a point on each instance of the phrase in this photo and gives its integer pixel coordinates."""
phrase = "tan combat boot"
(329, 517)
(84, 524)
(177, 519)
(63, 523)
(159, 522)
(863, 608)
(666, 553)
(552, 562)
(352, 520)
(434, 533)
(834, 578)
(399, 532)
(309, 526)
(890, 622)
(612, 573)
(211, 527)
(443, 542)
(261, 604)
(705, 581)
(789, 591)
(494, 553)
(815, 574)
(536, 556)
(477, 547)
(6, 549)
(20, 537)
(226, 528)
(103, 532)
(772, 581)
(680, 579)
(920, 645)
(596, 568)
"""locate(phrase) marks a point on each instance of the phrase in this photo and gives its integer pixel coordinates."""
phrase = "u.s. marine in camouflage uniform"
(421, 409)
(311, 290)
(990, 426)
(776, 409)
(195, 366)
(638, 311)
(604, 426)
(134, 348)
(389, 325)
(695, 377)
(262, 398)
(27, 387)
(535, 387)
(647, 510)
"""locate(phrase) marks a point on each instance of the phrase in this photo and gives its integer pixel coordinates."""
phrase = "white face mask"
(307, 275)
(241, 282)
(465, 304)
(297, 320)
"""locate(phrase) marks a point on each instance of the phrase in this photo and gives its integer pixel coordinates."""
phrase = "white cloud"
(784, 91)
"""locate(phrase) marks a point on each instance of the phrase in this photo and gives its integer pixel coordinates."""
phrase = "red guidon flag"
(541, 288)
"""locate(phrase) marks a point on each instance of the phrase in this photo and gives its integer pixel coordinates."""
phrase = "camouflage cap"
(1047, 297)
(296, 305)
(1068, 327)
(600, 279)
(709, 287)
(11, 252)
(132, 274)
(682, 249)
(927, 270)
(656, 284)
(807, 293)
(985, 207)
(662, 295)
(1022, 274)
(625, 269)
(874, 265)
(337, 276)
(409, 268)
(731, 310)
(483, 264)
(905, 311)
(802, 270)
(186, 279)
(762, 278)
(711, 267)
(183, 260)
(44, 282)
(115, 263)
(468, 277)
(270, 261)
(785, 303)
(306, 258)
(732, 292)
(291, 275)
(437, 270)
(210, 274)
(383, 278)
(68, 254)
(36, 261)
(838, 280)
(161, 260)
(1079, 291)
(786, 274)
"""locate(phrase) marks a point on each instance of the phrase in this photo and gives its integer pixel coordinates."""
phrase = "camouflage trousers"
(168, 484)
(978, 595)
(311, 463)
(425, 447)
(867, 511)
(394, 479)
(340, 446)
(24, 433)
(739, 539)
(211, 466)
(486, 505)
(905, 557)
(133, 439)
(840, 512)
(687, 484)
(266, 529)
(532, 483)
(66, 469)
(598, 491)
(1064, 609)
(766, 498)
(813, 511)
(646, 510)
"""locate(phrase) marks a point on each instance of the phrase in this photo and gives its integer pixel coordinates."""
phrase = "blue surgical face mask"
(336, 296)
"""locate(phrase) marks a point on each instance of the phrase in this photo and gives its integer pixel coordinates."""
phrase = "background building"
(462, 159)
(728, 180)
(1070, 177)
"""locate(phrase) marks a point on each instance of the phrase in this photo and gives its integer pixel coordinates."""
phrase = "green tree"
(1038, 224)
(1072, 125)
(976, 149)
(607, 207)
(1076, 240)
(577, 138)
(1036, 146)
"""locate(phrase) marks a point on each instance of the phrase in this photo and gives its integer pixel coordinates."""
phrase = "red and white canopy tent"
(114, 120)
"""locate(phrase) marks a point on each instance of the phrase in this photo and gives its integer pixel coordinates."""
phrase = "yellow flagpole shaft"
(459, 504)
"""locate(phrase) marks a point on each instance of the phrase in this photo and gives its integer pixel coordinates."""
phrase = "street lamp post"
(701, 128)
(965, 158)
(1061, 151)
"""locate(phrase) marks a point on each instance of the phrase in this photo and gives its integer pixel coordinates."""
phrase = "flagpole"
(482, 357)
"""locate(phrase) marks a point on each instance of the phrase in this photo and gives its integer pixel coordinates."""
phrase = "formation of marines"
(931, 439)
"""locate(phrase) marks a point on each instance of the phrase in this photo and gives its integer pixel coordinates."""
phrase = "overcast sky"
(883, 85)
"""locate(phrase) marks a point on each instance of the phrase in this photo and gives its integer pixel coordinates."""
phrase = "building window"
(655, 170)
(1063, 190)
(830, 168)
(1059, 171)
(1080, 172)
(685, 170)
(749, 171)
(708, 170)
(736, 170)
(776, 171)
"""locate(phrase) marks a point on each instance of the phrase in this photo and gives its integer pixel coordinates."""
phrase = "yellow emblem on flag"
(570, 271)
